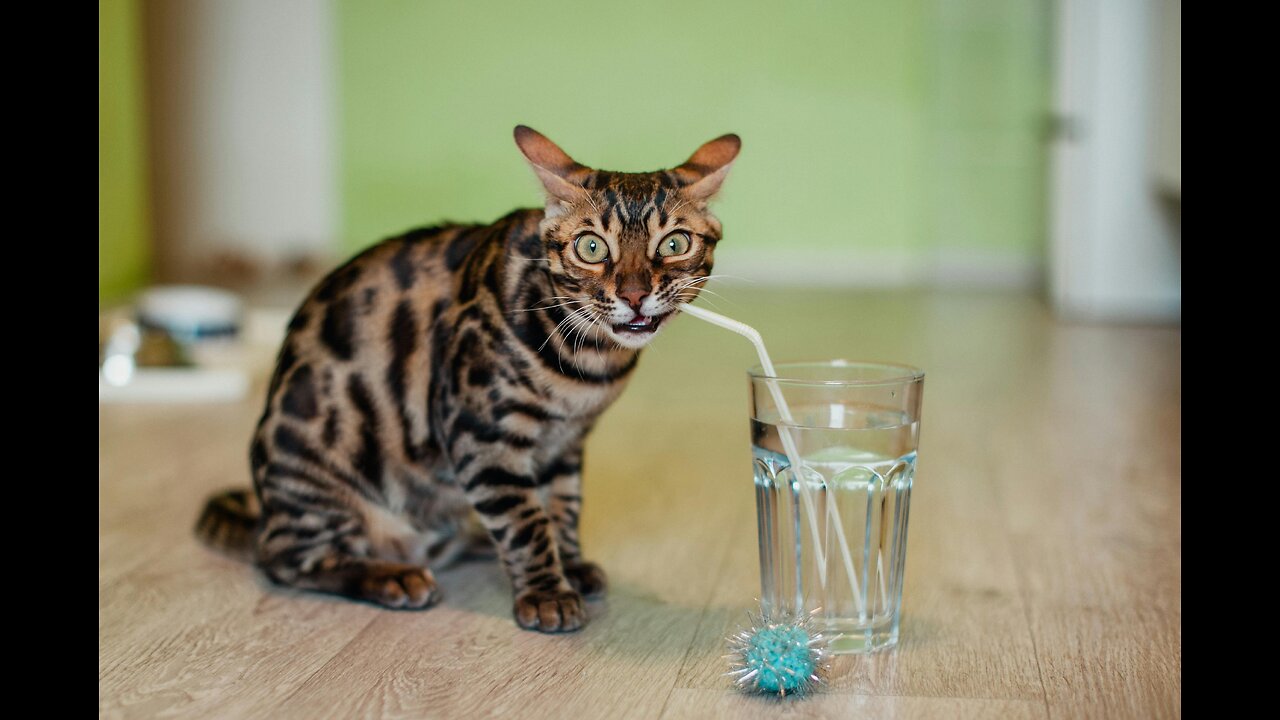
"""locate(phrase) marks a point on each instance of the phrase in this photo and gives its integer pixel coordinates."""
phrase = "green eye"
(674, 244)
(591, 248)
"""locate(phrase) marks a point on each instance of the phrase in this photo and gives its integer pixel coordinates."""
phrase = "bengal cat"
(433, 394)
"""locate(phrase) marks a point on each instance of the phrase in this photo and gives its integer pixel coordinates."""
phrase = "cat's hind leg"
(389, 584)
(326, 547)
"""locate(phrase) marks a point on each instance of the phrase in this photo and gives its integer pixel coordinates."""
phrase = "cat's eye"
(591, 248)
(676, 243)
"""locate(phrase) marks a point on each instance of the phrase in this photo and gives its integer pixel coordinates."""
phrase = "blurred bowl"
(191, 313)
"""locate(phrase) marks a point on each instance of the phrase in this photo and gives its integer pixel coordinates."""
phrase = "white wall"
(1116, 246)
(242, 102)
(1167, 166)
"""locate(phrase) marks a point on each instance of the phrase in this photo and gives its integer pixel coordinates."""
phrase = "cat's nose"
(633, 298)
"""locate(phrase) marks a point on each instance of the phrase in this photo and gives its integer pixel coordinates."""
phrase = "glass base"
(847, 640)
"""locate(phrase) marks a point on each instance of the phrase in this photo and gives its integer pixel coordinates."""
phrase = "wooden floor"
(1044, 570)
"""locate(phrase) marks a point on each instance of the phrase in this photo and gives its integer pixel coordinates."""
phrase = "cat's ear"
(557, 171)
(706, 169)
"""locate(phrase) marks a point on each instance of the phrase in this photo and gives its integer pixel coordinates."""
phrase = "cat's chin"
(634, 337)
(630, 340)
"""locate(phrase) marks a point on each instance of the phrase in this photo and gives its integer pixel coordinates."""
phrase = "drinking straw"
(789, 447)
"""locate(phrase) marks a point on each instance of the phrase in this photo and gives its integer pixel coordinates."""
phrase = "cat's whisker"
(540, 307)
(549, 298)
(705, 278)
(536, 308)
(709, 301)
(714, 294)
(685, 286)
(575, 334)
(689, 282)
(697, 282)
(566, 336)
(689, 297)
(576, 325)
(698, 288)
(556, 329)
(594, 328)
(685, 293)
(725, 276)
(580, 328)
(570, 319)
(567, 341)
(528, 259)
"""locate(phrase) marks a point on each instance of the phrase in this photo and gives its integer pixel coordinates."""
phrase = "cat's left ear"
(707, 168)
(558, 172)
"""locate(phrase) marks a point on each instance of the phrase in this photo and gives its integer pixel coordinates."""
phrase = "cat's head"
(626, 249)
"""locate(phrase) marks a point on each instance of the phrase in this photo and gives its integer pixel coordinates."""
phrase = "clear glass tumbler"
(833, 533)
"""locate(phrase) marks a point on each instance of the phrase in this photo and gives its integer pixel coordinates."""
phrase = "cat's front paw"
(587, 578)
(550, 611)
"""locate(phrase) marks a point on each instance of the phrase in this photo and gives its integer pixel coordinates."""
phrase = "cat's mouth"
(641, 325)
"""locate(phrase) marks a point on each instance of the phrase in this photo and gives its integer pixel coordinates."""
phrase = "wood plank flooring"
(1044, 568)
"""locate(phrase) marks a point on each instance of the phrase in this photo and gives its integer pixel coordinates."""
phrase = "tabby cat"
(432, 395)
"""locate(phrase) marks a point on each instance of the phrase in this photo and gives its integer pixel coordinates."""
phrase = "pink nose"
(633, 297)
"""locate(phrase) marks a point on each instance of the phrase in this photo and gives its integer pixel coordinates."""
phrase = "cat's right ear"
(554, 167)
(706, 169)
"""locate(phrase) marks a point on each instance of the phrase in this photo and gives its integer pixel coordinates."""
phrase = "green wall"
(869, 126)
(900, 129)
(123, 206)
(990, 83)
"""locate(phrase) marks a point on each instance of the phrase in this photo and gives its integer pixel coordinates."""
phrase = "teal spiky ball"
(781, 654)
(777, 656)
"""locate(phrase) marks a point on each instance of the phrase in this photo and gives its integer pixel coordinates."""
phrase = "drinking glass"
(833, 531)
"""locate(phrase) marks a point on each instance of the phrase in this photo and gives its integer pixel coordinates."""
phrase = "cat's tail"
(229, 522)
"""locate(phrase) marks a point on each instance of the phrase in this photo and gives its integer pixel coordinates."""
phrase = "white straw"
(793, 454)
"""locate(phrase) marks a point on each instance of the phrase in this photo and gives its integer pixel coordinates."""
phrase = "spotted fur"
(432, 394)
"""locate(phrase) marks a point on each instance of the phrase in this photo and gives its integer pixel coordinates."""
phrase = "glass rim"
(900, 374)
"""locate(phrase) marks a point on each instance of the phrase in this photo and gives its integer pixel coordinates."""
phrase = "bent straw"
(789, 447)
